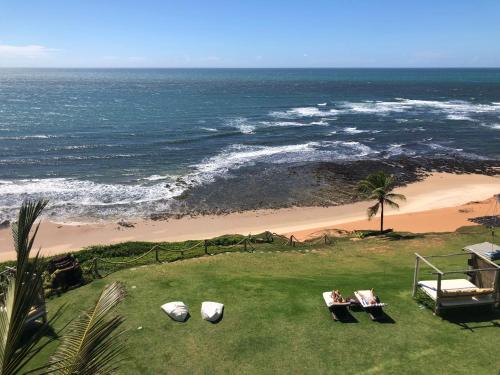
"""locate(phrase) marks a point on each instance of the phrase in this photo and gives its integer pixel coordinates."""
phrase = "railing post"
(291, 240)
(157, 255)
(206, 247)
(245, 244)
(96, 270)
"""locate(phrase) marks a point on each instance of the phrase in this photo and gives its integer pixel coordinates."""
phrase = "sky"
(257, 33)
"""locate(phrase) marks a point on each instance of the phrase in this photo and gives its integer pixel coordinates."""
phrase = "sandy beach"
(440, 203)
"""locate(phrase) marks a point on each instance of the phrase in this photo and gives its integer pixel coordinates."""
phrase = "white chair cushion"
(176, 310)
(211, 311)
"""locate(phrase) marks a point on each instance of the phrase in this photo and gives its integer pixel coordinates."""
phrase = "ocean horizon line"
(254, 68)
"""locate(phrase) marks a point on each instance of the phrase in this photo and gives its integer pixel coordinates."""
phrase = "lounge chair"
(337, 309)
(370, 303)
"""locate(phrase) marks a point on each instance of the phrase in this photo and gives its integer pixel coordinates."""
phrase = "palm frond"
(21, 293)
(393, 196)
(372, 211)
(90, 346)
(391, 203)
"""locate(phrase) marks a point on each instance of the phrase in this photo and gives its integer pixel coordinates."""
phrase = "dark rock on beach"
(308, 184)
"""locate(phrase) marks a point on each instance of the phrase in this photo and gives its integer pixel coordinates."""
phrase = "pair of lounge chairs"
(179, 311)
(366, 299)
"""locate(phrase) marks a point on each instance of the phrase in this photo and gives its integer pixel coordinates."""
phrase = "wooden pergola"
(479, 285)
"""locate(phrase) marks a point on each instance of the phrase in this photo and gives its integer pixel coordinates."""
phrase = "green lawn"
(276, 322)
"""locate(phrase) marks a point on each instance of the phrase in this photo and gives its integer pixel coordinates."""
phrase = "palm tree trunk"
(382, 217)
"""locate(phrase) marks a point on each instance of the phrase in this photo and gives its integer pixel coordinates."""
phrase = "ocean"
(108, 143)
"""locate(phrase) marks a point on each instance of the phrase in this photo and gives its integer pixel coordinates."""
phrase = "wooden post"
(245, 244)
(182, 254)
(415, 277)
(206, 247)
(157, 255)
(291, 240)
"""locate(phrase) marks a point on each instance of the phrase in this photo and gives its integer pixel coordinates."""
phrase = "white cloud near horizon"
(31, 51)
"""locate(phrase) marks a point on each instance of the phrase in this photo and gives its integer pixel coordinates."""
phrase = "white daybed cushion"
(176, 310)
(211, 311)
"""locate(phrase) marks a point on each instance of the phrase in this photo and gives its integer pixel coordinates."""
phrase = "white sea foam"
(453, 109)
(24, 137)
(239, 155)
(294, 123)
(298, 112)
(321, 104)
(396, 149)
(77, 198)
(157, 177)
(492, 126)
(209, 129)
(459, 117)
(283, 123)
(353, 130)
(242, 124)
(320, 122)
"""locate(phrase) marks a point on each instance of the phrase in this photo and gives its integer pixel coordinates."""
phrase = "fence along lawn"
(275, 320)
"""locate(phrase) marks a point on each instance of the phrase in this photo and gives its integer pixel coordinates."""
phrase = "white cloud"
(31, 51)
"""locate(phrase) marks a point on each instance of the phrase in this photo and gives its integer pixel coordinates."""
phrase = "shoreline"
(439, 203)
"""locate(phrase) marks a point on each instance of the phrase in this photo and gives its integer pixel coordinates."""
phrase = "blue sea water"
(123, 142)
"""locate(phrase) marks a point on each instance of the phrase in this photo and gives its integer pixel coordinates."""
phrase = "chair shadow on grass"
(381, 317)
(343, 315)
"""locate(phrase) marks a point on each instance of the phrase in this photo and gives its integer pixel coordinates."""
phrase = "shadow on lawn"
(399, 236)
(472, 319)
(380, 316)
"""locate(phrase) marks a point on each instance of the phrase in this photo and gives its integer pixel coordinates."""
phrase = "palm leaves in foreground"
(91, 345)
(21, 291)
(378, 186)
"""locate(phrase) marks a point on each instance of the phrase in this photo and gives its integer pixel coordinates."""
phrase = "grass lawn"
(276, 322)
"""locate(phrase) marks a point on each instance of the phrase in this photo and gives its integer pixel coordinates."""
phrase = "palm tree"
(90, 345)
(378, 186)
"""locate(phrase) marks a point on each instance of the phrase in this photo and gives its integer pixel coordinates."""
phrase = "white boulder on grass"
(211, 311)
(176, 310)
